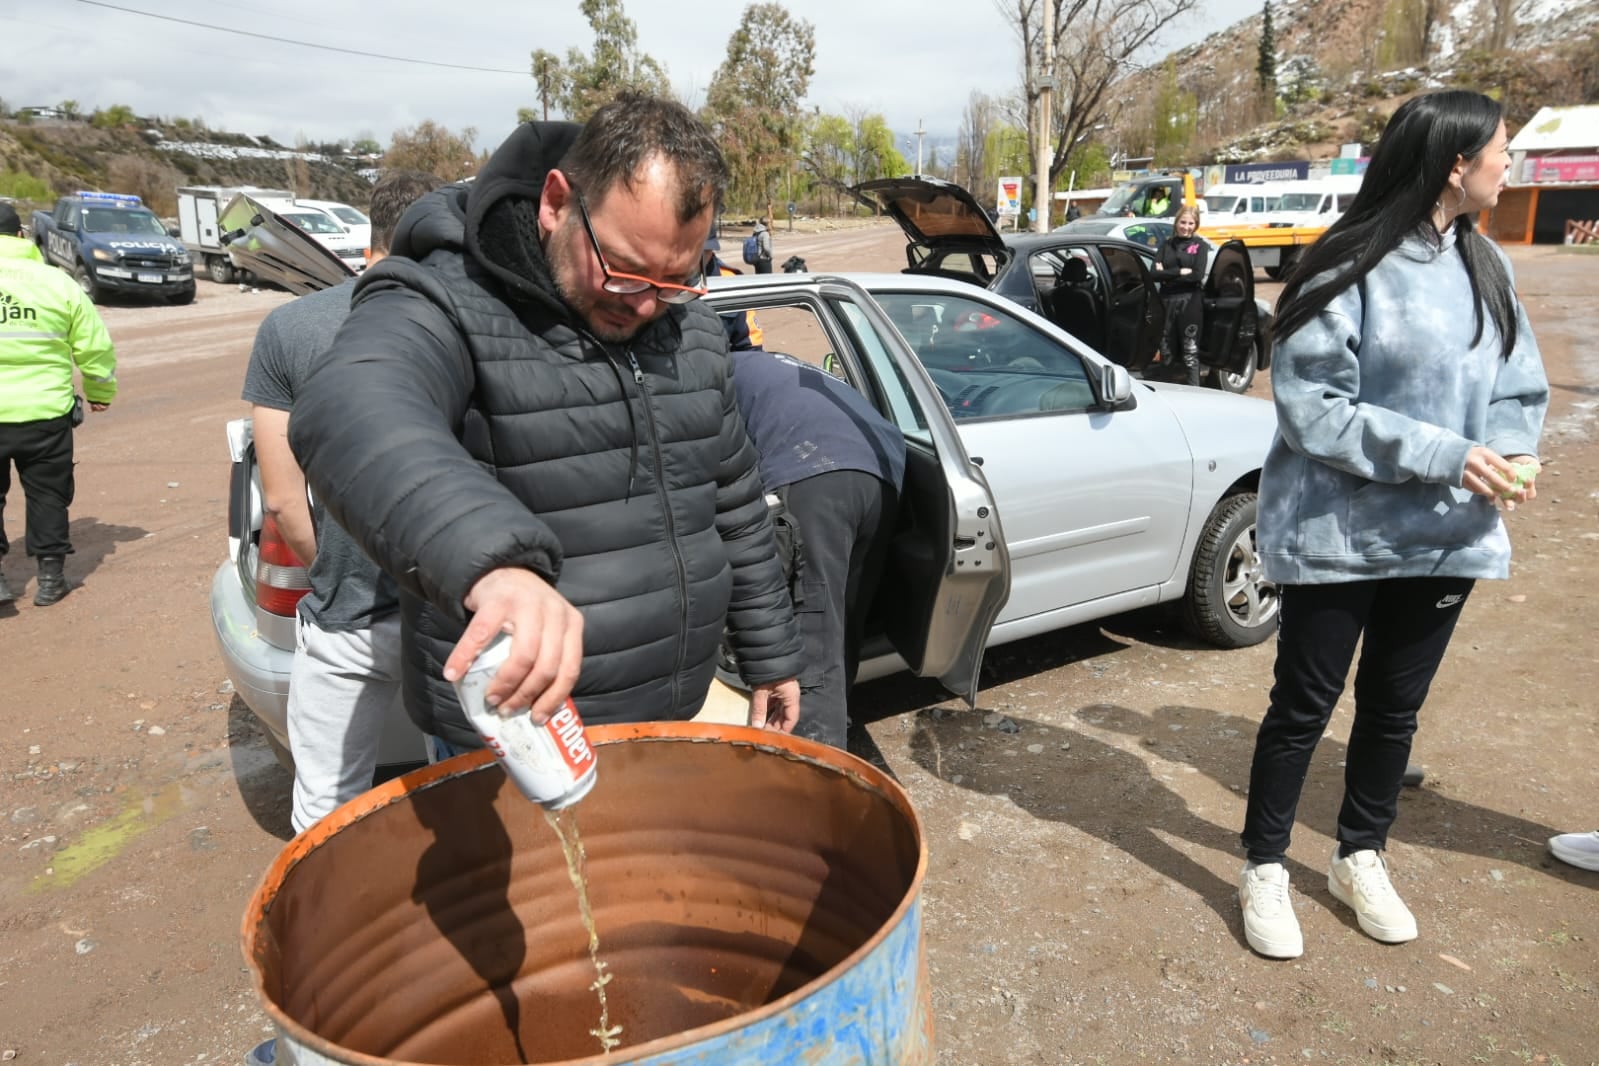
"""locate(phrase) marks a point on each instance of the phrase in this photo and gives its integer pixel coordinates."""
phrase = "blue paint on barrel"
(873, 1014)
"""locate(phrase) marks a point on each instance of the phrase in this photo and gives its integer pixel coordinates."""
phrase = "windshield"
(1299, 201)
(1119, 200)
(350, 216)
(1224, 204)
(119, 220)
(313, 221)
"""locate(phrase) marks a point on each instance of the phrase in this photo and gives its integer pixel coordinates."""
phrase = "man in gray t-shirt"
(345, 681)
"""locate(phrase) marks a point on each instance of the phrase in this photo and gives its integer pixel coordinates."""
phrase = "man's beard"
(561, 249)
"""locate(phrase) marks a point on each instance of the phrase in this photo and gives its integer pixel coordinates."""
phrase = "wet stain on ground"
(104, 842)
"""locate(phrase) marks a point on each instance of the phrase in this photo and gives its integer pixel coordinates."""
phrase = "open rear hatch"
(938, 216)
(275, 250)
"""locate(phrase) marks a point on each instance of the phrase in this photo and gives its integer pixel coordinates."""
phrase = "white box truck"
(198, 208)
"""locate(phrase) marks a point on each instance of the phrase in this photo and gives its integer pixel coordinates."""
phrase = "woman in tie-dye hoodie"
(1408, 388)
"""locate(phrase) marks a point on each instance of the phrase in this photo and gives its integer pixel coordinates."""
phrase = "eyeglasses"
(631, 284)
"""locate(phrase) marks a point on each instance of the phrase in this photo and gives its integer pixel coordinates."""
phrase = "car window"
(118, 220)
(1149, 234)
(986, 362)
(903, 409)
(350, 216)
(313, 221)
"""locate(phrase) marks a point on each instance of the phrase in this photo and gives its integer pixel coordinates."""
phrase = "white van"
(350, 218)
(324, 228)
(1316, 202)
(1239, 204)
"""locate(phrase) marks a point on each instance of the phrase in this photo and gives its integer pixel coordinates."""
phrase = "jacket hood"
(501, 208)
(436, 221)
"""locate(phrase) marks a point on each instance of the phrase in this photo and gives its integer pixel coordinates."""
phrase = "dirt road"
(1080, 904)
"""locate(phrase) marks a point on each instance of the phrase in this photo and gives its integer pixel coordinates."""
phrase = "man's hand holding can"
(546, 642)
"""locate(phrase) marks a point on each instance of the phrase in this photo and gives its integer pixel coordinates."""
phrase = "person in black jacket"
(1180, 269)
(528, 422)
(838, 467)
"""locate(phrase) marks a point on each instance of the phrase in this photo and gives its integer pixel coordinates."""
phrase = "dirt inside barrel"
(432, 920)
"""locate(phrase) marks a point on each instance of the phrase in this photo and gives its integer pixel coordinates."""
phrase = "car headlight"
(183, 259)
(104, 255)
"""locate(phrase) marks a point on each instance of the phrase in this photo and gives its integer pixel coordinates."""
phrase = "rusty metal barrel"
(757, 899)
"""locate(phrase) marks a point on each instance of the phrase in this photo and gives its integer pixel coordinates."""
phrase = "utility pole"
(920, 133)
(1046, 84)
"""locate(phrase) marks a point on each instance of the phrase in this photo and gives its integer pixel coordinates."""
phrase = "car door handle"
(977, 460)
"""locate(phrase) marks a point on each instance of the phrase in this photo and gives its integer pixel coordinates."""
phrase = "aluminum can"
(552, 764)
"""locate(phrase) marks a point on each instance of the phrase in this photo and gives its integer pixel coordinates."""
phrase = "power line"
(303, 44)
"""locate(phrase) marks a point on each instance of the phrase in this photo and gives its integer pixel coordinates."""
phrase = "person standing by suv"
(346, 675)
(47, 326)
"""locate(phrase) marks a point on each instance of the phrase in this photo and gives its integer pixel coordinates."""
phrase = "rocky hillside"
(1343, 65)
(152, 160)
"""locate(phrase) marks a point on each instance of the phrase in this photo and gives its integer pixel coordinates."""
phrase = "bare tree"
(1095, 42)
(971, 151)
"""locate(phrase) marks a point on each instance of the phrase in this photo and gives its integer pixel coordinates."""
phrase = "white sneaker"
(1361, 883)
(1579, 849)
(1269, 922)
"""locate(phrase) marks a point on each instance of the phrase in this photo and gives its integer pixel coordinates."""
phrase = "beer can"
(552, 764)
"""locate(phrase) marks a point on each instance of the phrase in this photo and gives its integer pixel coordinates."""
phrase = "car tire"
(279, 750)
(182, 298)
(220, 269)
(87, 283)
(1233, 383)
(1230, 603)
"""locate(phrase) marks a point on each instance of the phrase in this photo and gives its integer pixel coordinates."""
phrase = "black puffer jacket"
(465, 420)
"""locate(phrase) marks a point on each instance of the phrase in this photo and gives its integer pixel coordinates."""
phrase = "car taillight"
(281, 579)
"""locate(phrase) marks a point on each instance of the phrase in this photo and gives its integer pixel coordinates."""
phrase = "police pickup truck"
(112, 243)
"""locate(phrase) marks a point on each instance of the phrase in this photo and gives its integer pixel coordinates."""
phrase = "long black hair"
(1407, 176)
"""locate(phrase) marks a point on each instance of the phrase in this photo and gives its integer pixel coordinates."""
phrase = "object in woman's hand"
(1526, 473)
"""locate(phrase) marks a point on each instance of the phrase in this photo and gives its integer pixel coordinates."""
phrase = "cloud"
(910, 62)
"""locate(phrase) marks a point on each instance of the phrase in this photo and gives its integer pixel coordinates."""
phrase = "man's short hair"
(10, 221)
(632, 129)
(392, 196)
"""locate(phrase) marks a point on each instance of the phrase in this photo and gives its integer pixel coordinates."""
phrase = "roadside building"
(1553, 193)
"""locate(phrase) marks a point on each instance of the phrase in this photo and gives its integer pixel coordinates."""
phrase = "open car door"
(948, 571)
(276, 250)
(1231, 315)
(1135, 317)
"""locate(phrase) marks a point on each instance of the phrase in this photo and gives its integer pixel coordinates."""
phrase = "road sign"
(792, 207)
(1010, 196)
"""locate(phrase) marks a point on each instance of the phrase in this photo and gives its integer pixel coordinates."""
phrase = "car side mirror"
(1115, 385)
(173, 231)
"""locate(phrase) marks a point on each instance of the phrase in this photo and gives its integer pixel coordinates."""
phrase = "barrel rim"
(399, 788)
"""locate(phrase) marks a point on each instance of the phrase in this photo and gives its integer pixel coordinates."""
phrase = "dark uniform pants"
(845, 520)
(42, 452)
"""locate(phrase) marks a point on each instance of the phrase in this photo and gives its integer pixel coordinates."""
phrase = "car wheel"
(86, 282)
(184, 297)
(279, 750)
(1234, 383)
(1230, 603)
(220, 268)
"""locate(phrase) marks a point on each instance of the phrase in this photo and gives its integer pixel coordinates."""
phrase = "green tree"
(433, 149)
(754, 99)
(828, 155)
(614, 66)
(1266, 60)
(549, 80)
(114, 117)
(875, 153)
(1175, 114)
(70, 110)
(365, 144)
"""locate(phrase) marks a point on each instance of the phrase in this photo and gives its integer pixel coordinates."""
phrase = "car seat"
(1073, 305)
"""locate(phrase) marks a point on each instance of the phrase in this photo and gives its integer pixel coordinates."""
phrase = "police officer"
(47, 325)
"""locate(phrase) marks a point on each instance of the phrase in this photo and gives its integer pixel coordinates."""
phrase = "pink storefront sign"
(1563, 168)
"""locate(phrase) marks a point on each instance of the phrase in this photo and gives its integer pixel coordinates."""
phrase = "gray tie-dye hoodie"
(1379, 398)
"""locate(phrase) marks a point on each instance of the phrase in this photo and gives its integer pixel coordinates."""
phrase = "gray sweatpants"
(342, 689)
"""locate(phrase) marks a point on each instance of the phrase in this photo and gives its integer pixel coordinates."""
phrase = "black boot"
(6, 595)
(52, 581)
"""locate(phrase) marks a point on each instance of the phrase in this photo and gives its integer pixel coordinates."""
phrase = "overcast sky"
(913, 60)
